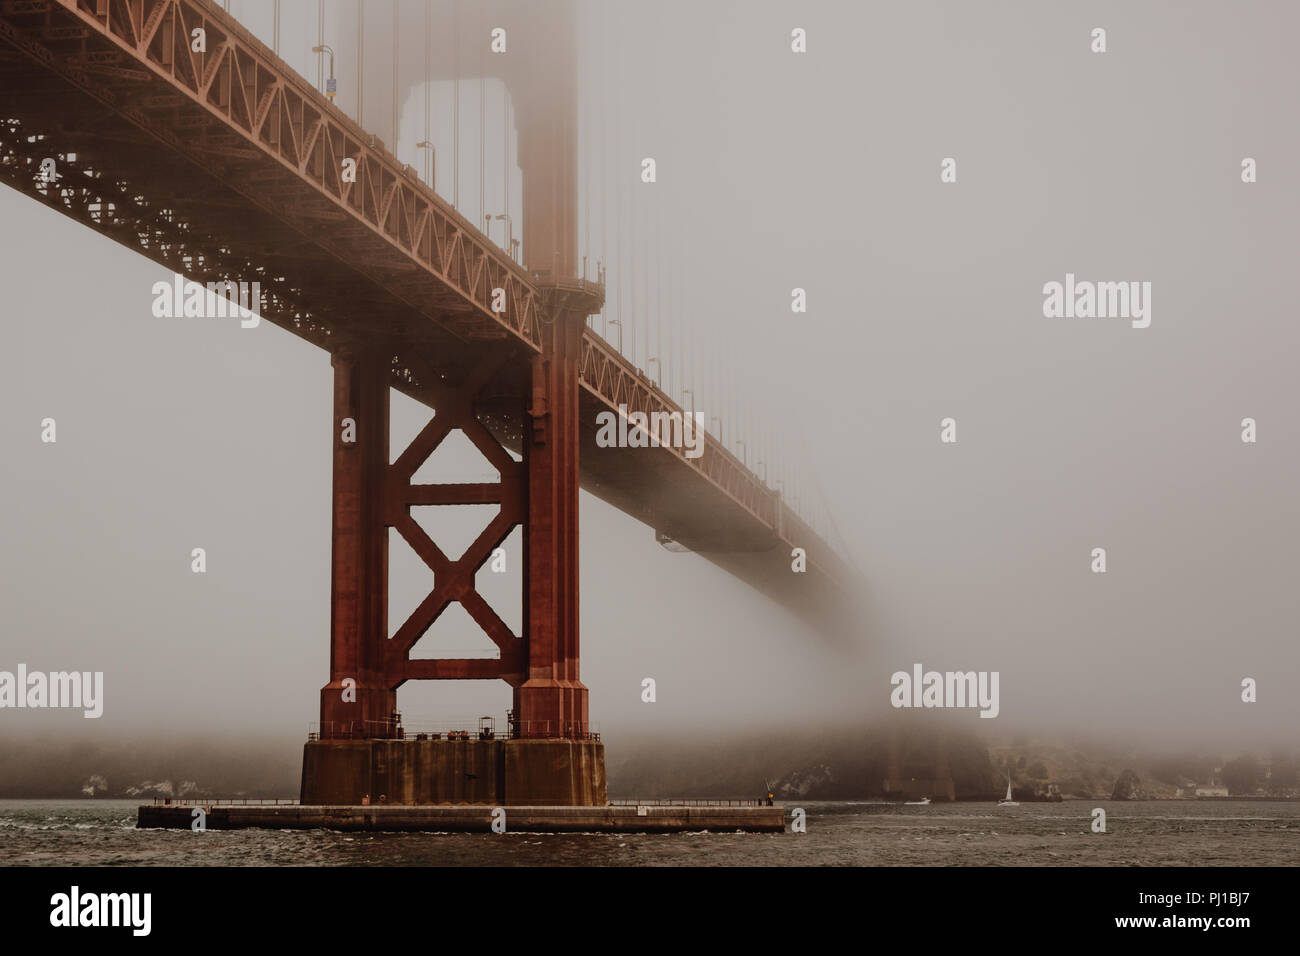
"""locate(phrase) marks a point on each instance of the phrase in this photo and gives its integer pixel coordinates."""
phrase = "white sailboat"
(923, 802)
(1007, 801)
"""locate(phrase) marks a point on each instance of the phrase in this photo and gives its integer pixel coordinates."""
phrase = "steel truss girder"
(242, 88)
(454, 580)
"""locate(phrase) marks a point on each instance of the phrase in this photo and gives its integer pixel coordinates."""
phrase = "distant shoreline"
(1254, 798)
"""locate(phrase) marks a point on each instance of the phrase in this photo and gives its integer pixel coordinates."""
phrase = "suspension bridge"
(518, 316)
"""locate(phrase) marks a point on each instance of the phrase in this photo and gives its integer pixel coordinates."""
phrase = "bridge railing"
(256, 802)
(737, 802)
(611, 375)
(225, 802)
(400, 730)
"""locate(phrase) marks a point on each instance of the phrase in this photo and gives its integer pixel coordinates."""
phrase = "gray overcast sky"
(775, 170)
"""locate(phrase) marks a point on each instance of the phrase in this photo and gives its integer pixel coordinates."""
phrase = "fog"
(776, 171)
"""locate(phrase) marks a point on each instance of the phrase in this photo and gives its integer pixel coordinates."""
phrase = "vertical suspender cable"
(275, 31)
(666, 354)
(395, 33)
(629, 272)
(428, 84)
(621, 193)
(683, 322)
(659, 293)
(482, 128)
(320, 41)
(361, 64)
(653, 325)
(505, 160)
(646, 233)
(726, 424)
(634, 229)
(604, 172)
(627, 194)
(666, 343)
(718, 391)
(652, 255)
(584, 88)
(455, 106)
(620, 249)
(679, 332)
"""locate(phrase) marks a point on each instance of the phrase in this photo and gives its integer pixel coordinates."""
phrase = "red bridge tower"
(549, 755)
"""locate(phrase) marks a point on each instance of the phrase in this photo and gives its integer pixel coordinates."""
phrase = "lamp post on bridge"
(425, 144)
(619, 323)
(510, 229)
(647, 365)
(718, 419)
(331, 85)
(745, 453)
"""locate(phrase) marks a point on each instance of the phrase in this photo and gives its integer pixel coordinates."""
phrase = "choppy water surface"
(103, 833)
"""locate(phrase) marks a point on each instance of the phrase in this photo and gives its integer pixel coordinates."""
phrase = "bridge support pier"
(552, 702)
(358, 699)
(550, 773)
(548, 756)
(918, 767)
(551, 755)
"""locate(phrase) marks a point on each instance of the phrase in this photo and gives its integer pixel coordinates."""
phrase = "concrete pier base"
(472, 819)
(414, 773)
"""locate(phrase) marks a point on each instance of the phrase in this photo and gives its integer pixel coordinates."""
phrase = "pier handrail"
(394, 730)
(226, 802)
(701, 802)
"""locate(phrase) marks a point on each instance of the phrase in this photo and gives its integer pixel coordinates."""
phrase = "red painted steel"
(359, 576)
(540, 493)
(553, 691)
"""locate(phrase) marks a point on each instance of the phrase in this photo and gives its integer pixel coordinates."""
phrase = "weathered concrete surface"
(472, 819)
(425, 772)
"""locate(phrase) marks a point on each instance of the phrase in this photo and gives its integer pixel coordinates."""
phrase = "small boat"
(923, 802)
(1007, 801)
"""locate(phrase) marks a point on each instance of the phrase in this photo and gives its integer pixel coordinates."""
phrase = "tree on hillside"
(1174, 770)
(1241, 775)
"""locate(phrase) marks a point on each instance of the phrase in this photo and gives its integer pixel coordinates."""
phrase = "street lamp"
(618, 323)
(647, 365)
(741, 443)
(425, 144)
(718, 419)
(331, 85)
(510, 227)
